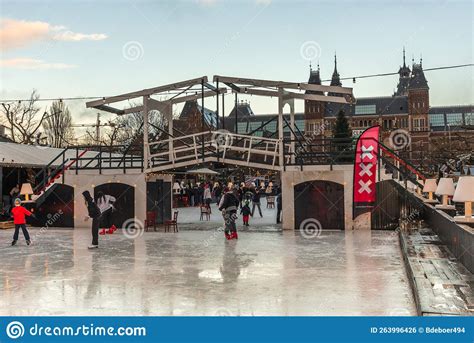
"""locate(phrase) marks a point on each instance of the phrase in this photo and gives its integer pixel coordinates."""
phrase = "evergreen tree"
(342, 134)
(341, 128)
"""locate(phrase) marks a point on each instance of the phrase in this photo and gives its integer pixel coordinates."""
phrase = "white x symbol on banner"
(365, 169)
(367, 152)
(364, 186)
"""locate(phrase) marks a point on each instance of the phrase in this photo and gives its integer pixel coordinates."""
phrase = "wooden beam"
(282, 84)
(148, 91)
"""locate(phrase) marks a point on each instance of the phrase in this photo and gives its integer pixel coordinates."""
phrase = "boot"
(110, 231)
(228, 236)
(113, 228)
(102, 232)
(13, 243)
(28, 242)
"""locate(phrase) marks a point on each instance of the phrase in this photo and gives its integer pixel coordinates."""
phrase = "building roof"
(452, 109)
(418, 79)
(243, 110)
(210, 117)
(34, 156)
(388, 105)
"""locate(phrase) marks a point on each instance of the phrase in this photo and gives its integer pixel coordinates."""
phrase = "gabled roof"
(243, 110)
(210, 117)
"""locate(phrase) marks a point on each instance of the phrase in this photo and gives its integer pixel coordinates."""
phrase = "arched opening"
(124, 201)
(322, 201)
(57, 209)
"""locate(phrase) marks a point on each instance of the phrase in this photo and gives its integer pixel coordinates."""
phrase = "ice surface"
(197, 272)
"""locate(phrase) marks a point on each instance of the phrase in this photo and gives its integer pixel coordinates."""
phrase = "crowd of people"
(243, 198)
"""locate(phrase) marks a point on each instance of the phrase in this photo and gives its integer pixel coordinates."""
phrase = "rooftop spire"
(404, 64)
(335, 62)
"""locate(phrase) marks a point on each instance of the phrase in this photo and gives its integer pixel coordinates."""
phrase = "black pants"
(259, 209)
(278, 215)
(17, 232)
(95, 231)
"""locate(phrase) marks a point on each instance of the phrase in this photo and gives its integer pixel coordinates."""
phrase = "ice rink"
(197, 272)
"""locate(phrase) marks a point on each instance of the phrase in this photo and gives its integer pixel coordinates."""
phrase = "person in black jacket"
(94, 213)
(256, 202)
(279, 207)
(245, 212)
(229, 205)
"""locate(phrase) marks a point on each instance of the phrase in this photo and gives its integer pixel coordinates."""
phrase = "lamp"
(445, 188)
(176, 187)
(465, 193)
(430, 187)
(26, 190)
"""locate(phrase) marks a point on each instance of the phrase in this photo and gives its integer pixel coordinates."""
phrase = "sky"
(101, 48)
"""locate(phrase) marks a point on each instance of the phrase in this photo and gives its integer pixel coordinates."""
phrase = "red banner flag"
(365, 166)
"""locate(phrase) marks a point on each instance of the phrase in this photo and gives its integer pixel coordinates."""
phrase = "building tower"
(335, 80)
(418, 99)
(404, 78)
(313, 109)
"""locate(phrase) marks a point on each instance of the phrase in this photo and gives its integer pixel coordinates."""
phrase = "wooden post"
(280, 126)
(145, 132)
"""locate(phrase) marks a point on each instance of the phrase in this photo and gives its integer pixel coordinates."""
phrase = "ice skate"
(92, 246)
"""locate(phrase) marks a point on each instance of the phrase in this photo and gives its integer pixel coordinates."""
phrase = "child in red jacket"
(19, 220)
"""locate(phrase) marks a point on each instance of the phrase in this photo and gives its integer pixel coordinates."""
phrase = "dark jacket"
(256, 196)
(229, 203)
(92, 209)
(245, 210)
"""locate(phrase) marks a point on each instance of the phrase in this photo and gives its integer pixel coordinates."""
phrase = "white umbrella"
(202, 171)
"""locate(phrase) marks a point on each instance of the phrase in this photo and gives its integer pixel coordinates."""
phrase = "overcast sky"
(99, 48)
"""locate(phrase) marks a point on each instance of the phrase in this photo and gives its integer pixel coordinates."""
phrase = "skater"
(228, 205)
(105, 203)
(18, 213)
(207, 195)
(279, 207)
(245, 212)
(94, 213)
(256, 202)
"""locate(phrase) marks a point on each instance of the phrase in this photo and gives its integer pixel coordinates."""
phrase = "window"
(437, 119)
(469, 118)
(254, 125)
(454, 119)
(365, 109)
(242, 127)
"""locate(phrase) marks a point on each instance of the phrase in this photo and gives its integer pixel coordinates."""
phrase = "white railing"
(223, 146)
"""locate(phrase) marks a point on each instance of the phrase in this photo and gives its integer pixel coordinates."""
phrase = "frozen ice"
(198, 272)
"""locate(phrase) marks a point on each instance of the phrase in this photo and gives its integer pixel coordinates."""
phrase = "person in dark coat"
(256, 202)
(279, 207)
(229, 205)
(94, 213)
(245, 212)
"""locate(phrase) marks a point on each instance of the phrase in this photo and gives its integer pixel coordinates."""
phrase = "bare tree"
(22, 119)
(57, 125)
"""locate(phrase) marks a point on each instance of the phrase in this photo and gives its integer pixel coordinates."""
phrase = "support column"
(280, 126)
(169, 117)
(146, 149)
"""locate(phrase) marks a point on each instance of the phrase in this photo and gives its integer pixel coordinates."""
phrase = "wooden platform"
(7, 225)
(441, 284)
